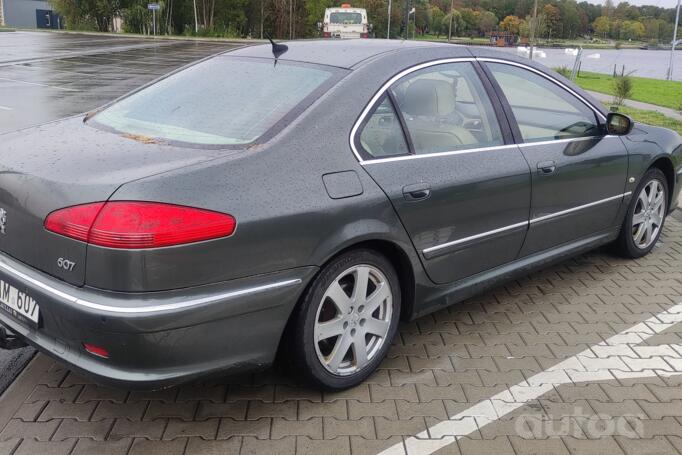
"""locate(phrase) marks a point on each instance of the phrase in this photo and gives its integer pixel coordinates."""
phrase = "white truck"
(345, 22)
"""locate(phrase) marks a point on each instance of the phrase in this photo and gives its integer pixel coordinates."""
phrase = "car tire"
(356, 322)
(642, 214)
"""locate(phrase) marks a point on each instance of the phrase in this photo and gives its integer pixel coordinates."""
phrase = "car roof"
(346, 53)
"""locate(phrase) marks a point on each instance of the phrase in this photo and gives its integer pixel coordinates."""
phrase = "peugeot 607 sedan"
(301, 199)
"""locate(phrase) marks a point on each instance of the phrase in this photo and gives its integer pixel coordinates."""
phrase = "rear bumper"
(162, 338)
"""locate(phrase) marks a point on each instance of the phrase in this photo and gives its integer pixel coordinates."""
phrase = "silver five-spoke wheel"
(649, 214)
(353, 319)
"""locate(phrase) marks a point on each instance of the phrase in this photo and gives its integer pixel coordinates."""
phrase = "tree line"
(287, 19)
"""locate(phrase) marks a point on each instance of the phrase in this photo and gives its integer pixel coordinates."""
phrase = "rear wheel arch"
(398, 258)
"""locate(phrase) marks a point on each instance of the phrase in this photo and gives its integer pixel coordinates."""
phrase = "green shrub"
(622, 89)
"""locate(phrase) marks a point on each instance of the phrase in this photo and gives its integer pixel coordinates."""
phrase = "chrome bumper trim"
(147, 309)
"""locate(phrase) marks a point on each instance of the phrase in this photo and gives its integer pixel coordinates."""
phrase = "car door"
(434, 142)
(579, 172)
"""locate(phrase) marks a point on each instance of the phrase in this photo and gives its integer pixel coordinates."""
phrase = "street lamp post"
(533, 28)
(196, 20)
(388, 27)
(672, 49)
(2, 14)
(452, 13)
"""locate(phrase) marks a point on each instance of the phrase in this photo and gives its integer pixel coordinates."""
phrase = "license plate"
(18, 304)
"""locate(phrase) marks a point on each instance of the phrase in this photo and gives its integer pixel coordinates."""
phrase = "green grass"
(654, 91)
(652, 118)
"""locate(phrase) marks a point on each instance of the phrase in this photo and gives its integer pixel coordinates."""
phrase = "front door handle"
(546, 167)
(417, 192)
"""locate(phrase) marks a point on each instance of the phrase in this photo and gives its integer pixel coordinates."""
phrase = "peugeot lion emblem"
(3, 220)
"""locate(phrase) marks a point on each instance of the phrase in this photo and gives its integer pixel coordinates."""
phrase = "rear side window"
(543, 110)
(382, 135)
(222, 101)
(446, 108)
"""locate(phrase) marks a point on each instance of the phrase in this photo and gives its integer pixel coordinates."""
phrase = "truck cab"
(345, 22)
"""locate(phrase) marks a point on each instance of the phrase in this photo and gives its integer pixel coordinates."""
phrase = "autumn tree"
(510, 24)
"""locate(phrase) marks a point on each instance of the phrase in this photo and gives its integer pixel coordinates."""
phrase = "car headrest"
(429, 97)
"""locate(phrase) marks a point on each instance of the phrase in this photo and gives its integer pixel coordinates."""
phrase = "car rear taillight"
(135, 225)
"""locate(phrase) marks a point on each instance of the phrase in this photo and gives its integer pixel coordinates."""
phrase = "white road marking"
(5, 108)
(583, 367)
(39, 84)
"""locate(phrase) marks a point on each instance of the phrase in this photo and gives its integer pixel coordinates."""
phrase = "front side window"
(221, 101)
(446, 108)
(543, 110)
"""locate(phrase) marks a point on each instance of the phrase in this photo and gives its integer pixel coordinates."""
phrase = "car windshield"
(221, 101)
(345, 18)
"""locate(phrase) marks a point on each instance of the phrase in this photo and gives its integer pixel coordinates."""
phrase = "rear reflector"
(136, 225)
(96, 350)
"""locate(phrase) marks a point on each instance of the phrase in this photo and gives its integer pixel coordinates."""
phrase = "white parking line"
(39, 84)
(583, 367)
(5, 108)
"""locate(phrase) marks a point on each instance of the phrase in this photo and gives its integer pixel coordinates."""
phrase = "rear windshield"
(345, 18)
(221, 101)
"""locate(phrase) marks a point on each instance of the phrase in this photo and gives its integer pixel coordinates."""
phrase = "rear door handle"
(546, 167)
(417, 191)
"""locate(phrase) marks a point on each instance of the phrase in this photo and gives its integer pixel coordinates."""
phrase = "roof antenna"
(277, 49)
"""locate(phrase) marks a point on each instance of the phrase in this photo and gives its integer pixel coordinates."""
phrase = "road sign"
(153, 6)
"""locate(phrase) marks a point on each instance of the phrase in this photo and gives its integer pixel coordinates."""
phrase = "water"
(644, 63)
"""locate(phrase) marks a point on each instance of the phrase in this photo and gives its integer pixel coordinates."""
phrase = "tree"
(458, 24)
(552, 19)
(510, 24)
(97, 14)
(632, 30)
(471, 20)
(422, 16)
(602, 26)
(437, 16)
(487, 22)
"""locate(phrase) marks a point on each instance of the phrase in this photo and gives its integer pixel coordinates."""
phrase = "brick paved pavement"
(584, 357)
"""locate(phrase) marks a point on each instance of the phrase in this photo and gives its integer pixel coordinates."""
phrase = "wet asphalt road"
(46, 76)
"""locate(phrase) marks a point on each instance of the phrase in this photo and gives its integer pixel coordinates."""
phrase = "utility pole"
(534, 25)
(452, 13)
(2, 13)
(672, 49)
(196, 21)
(407, 19)
(388, 27)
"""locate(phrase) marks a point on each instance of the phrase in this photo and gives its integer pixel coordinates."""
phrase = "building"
(30, 14)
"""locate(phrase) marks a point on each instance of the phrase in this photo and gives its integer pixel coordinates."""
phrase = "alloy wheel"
(649, 213)
(353, 319)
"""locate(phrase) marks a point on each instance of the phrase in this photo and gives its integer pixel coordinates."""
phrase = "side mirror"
(319, 26)
(370, 28)
(618, 124)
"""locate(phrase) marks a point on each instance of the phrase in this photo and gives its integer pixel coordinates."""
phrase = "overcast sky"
(661, 3)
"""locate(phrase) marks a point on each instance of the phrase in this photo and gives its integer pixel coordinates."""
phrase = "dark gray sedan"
(302, 199)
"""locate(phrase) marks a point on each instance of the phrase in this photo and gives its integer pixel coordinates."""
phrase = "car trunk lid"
(67, 163)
